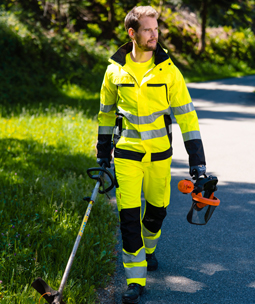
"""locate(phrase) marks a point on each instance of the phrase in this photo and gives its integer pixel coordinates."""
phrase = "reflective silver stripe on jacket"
(153, 134)
(143, 119)
(183, 109)
(130, 258)
(191, 135)
(143, 135)
(116, 130)
(136, 272)
(107, 108)
(105, 130)
(130, 133)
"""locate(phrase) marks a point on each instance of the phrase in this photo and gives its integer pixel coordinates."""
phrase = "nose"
(154, 33)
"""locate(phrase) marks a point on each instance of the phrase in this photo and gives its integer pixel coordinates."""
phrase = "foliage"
(239, 45)
(38, 63)
(180, 33)
(234, 13)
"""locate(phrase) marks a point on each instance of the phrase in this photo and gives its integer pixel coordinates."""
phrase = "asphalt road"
(215, 263)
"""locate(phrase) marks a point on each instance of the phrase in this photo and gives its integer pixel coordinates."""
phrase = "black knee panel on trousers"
(153, 217)
(130, 227)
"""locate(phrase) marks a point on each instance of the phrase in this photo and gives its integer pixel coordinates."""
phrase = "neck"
(138, 55)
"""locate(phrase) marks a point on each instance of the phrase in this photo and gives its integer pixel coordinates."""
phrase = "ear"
(131, 33)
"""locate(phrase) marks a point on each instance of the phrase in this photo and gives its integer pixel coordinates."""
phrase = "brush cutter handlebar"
(100, 177)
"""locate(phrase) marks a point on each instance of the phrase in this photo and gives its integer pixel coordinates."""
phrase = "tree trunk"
(59, 16)
(58, 8)
(204, 12)
(111, 15)
(45, 8)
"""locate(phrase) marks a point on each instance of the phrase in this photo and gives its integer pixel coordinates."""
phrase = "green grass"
(206, 71)
(43, 160)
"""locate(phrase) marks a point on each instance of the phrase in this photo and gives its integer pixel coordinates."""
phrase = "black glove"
(197, 171)
(105, 161)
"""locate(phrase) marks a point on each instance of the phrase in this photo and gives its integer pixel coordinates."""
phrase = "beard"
(146, 47)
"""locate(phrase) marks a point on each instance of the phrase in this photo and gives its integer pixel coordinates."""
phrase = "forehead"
(148, 22)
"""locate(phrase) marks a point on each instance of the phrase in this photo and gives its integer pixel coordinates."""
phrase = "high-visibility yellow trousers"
(140, 234)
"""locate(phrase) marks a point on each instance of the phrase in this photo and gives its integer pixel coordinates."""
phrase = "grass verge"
(206, 71)
(43, 159)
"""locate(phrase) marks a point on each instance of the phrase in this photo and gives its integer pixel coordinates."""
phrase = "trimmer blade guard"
(199, 216)
(44, 289)
(203, 205)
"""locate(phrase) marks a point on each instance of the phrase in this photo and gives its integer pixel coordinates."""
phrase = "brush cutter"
(55, 296)
(203, 200)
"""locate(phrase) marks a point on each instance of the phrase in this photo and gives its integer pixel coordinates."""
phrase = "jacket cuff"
(104, 146)
(195, 151)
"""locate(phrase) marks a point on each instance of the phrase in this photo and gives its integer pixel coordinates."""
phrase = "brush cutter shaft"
(95, 192)
(76, 244)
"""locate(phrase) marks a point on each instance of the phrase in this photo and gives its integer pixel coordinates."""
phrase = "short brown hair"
(132, 18)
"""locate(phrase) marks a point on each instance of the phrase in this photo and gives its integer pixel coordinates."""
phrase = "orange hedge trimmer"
(203, 200)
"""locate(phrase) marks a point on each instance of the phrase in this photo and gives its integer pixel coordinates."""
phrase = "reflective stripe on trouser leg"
(150, 240)
(135, 266)
(152, 222)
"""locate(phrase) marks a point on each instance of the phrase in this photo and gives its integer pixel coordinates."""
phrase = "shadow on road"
(228, 99)
(203, 114)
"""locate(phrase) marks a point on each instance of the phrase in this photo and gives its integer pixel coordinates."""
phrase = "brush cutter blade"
(44, 289)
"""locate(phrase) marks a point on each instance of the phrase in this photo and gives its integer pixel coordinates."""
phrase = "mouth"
(152, 41)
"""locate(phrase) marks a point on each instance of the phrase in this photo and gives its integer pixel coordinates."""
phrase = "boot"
(132, 295)
(152, 262)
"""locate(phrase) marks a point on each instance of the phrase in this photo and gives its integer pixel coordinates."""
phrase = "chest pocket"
(157, 95)
(126, 97)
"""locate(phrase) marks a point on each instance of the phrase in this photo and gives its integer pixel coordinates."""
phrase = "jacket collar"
(120, 56)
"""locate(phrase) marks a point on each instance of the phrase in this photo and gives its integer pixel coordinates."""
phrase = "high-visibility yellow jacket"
(142, 126)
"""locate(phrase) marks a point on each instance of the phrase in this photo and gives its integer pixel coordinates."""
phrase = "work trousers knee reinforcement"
(140, 234)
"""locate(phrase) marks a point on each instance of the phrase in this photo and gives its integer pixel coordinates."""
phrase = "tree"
(236, 13)
(204, 10)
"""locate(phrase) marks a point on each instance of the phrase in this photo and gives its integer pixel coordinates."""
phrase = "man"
(141, 86)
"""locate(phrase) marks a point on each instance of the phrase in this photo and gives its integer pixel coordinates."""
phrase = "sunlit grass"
(69, 128)
(206, 71)
(43, 161)
(73, 90)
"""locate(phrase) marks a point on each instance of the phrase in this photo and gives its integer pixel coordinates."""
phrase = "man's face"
(146, 37)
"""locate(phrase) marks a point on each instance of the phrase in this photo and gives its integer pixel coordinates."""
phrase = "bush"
(233, 45)
(36, 64)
